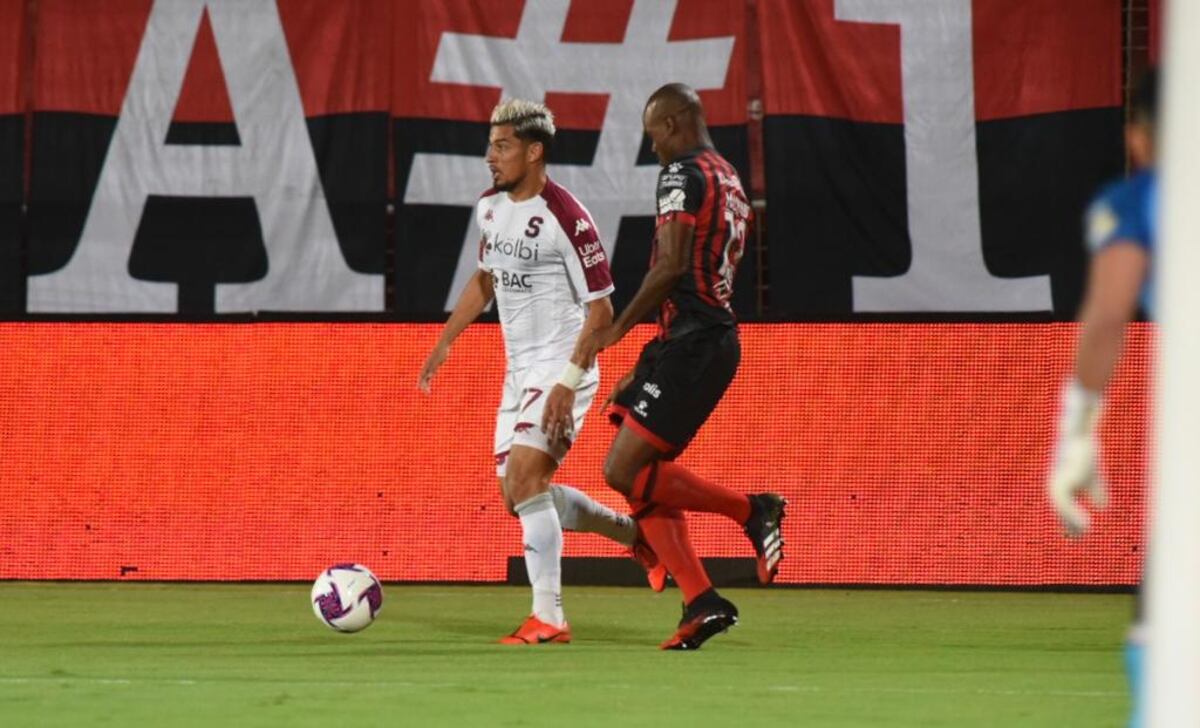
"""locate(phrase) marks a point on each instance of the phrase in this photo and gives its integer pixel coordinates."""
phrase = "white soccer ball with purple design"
(347, 597)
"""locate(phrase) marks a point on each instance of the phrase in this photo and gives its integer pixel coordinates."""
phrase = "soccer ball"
(347, 597)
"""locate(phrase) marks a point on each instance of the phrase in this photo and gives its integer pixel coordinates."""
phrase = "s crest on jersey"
(546, 263)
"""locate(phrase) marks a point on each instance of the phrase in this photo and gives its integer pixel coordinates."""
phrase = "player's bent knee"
(508, 502)
(618, 474)
(520, 491)
(528, 474)
(627, 457)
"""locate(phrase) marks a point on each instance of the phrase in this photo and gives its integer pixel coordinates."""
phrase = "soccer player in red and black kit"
(684, 371)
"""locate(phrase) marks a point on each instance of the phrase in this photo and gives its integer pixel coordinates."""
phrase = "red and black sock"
(665, 529)
(674, 486)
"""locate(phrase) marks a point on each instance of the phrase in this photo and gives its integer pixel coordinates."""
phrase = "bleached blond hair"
(530, 121)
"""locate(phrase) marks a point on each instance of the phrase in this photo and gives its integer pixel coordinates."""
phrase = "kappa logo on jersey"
(674, 167)
(582, 226)
(514, 248)
(673, 201)
(641, 407)
(592, 254)
(535, 227)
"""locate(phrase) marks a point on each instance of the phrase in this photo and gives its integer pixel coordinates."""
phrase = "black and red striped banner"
(216, 157)
(12, 151)
(936, 156)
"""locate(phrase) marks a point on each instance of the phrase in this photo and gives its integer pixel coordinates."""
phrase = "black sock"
(704, 598)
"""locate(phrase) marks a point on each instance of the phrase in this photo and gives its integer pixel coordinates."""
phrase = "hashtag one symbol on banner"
(537, 61)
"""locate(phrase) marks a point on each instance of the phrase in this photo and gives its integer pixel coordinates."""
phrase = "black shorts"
(676, 385)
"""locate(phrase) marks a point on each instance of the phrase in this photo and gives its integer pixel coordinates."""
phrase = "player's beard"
(510, 185)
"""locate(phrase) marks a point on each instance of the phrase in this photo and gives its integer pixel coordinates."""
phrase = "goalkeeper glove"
(1075, 461)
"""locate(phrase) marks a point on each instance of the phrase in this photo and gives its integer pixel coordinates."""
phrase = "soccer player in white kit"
(541, 259)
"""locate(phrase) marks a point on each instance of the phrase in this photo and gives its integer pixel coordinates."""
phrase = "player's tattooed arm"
(474, 299)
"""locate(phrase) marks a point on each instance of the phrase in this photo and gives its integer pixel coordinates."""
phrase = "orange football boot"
(656, 573)
(534, 631)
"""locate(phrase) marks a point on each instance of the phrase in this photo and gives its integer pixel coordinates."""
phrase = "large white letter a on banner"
(274, 165)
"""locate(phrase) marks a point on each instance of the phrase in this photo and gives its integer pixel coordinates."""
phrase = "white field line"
(816, 689)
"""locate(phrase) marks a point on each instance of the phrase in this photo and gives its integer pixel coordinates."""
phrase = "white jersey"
(546, 262)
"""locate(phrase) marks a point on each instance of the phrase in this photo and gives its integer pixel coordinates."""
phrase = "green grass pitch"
(254, 655)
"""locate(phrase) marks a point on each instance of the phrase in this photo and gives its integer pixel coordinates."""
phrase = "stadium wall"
(212, 161)
(911, 454)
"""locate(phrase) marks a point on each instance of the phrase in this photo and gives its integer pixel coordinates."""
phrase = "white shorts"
(519, 419)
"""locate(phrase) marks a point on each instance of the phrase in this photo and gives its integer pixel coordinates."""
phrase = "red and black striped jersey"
(701, 189)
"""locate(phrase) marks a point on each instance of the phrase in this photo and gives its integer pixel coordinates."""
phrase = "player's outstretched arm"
(674, 257)
(599, 316)
(557, 416)
(1114, 281)
(473, 300)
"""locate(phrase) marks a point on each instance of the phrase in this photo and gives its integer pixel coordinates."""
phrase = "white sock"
(543, 556)
(578, 512)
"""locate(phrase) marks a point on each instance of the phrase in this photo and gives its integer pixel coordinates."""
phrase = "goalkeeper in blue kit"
(1121, 225)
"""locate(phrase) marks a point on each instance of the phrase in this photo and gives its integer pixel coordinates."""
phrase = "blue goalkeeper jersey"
(1127, 211)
